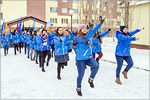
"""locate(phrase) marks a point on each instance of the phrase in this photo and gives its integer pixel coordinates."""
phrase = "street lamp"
(71, 13)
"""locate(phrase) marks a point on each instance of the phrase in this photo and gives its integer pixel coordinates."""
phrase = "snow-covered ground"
(23, 79)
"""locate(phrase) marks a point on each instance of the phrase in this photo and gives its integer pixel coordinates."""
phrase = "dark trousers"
(20, 46)
(44, 54)
(25, 48)
(40, 58)
(59, 66)
(120, 60)
(15, 48)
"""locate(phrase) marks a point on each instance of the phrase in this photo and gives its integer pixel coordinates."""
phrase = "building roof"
(26, 18)
(138, 3)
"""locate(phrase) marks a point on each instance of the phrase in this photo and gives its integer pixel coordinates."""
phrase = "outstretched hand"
(91, 25)
(142, 29)
(101, 20)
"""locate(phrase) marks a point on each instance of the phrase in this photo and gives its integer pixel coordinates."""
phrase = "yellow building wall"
(13, 9)
(140, 19)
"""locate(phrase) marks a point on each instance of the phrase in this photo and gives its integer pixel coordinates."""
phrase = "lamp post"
(71, 13)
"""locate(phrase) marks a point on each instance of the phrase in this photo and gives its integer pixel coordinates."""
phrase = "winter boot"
(118, 81)
(97, 60)
(28, 57)
(36, 62)
(43, 70)
(62, 66)
(33, 59)
(79, 92)
(125, 74)
(91, 83)
(58, 77)
(5, 54)
(47, 63)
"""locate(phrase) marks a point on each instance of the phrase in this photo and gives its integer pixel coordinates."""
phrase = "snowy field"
(23, 79)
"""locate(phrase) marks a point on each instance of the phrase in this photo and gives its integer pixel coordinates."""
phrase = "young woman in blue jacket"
(68, 44)
(15, 41)
(36, 46)
(5, 40)
(123, 51)
(32, 52)
(61, 54)
(25, 42)
(96, 44)
(28, 41)
(84, 53)
(45, 48)
(51, 35)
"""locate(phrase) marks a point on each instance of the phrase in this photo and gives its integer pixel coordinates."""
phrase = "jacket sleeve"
(104, 34)
(96, 28)
(123, 37)
(134, 32)
(92, 32)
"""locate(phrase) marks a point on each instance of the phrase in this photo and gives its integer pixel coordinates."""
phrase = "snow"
(23, 79)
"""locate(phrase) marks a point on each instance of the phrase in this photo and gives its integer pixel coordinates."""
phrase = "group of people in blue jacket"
(86, 41)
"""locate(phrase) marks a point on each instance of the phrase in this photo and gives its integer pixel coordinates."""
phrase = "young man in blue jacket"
(45, 48)
(123, 51)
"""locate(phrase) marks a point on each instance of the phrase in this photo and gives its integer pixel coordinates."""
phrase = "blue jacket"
(5, 40)
(96, 43)
(28, 39)
(124, 41)
(68, 44)
(38, 43)
(22, 37)
(51, 36)
(84, 51)
(32, 43)
(15, 38)
(42, 46)
(18, 37)
(60, 47)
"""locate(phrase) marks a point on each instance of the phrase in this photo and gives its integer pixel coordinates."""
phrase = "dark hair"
(96, 35)
(44, 30)
(57, 31)
(14, 32)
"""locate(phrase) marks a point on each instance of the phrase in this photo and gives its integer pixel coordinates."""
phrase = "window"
(74, 21)
(54, 20)
(64, 0)
(53, 9)
(64, 21)
(65, 10)
(75, 11)
(1, 16)
(119, 14)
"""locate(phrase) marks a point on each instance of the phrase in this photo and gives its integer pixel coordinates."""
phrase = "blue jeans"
(28, 48)
(6, 48)
(37, 54)
(120, 60)
(81, 64)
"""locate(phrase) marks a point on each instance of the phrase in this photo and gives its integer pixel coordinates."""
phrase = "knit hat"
(122, 27)
(80, 26)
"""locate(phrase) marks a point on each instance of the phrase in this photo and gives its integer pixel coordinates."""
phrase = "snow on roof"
(138, 3)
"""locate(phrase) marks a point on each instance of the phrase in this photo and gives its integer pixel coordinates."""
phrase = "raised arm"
(105, 33)
(134, 32)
